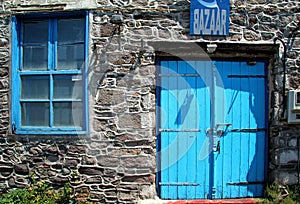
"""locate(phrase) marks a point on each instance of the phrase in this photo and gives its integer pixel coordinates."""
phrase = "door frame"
(225, 52)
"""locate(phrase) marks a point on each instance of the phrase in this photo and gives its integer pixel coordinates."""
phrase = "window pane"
(70, 57)
(35, 32)
(35, 114)
(67, 114)
(35, 58)
(70, 30)
(35, 87)
(68, 87)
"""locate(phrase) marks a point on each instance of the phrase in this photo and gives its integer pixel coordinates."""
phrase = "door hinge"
(246, 76)
(178, 130)
(246, 183)
(249, 130)
(179, 184)
(179, 75)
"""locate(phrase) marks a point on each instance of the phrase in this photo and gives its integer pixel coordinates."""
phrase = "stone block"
(288, 178)
(267, 36)
(5, 171)
(138, 162)
(35, 151)
(110, 192)
(52, 158)
(108, 161)
(288, 156)
(129, 121)
(164, 34)
(71, 162)
(77, 149)
(251, 35)
(59, 180)
(52, 150)
(91, 170)
(139, 178)
(148, 192)
(148, 120)
(94, 179)
(21, 169)
(128, 195)
(124, 151)
(148, 70)
(97, 197)
(110, 97)
(86, 160)
(292, 142)
(3, 185)
(17, 182)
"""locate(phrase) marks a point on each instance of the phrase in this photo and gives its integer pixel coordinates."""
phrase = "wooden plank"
(245, 122)
(258, 164)
(236, 123)
(202, 175)
(230, 95)
(182, 117)
(173, 142)
(191, 122)
(164, 117)
(220, 79)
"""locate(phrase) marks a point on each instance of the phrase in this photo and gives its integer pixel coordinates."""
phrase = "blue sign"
(209, 17)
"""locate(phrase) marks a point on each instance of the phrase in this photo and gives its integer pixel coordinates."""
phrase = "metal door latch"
(218, 149)
(210, 131)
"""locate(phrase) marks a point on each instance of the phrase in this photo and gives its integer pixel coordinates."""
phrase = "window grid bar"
(20, 47)
(33, 44)
(50, 65)
(48, 101)
(55, 128)
(34, 100)
(71, 43)
(54, 43)
(51, 101)
(66, 100)
(53, 51)
(61, 72)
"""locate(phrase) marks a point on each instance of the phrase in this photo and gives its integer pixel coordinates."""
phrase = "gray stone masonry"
(116, 161)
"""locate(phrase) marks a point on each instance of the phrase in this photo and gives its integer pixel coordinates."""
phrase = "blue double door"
(212, 129)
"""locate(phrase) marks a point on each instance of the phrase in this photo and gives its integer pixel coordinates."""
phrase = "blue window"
(49, 78)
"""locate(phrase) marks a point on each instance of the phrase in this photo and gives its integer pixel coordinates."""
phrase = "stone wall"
(116, 162)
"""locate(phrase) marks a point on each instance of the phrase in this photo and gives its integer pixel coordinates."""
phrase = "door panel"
(180, 133)
(198, 100)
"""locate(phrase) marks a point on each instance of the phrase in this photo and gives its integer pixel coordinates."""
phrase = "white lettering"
(224, 22)
(212, 22)
(196, 22)
(201, 20)
(218, 25)
(209, 21)
(207, 14)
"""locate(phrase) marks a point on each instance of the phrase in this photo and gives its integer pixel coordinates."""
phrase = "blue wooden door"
(212, 129)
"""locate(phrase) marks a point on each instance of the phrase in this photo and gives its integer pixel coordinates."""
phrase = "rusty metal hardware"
(246, 183)
(178, 130)
(179, 75)
(218, 149)
(246, 76)
(223, 124)
(249, 130)
(179, 184)
(210, 131)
